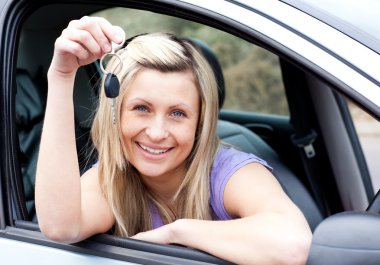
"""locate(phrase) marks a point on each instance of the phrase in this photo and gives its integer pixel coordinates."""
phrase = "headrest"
(215, 65)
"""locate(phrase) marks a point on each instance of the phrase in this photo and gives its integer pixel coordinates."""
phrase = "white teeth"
(153, 151)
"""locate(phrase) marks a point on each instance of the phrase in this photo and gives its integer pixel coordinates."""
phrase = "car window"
(368, 130)
(253, 80)
(252, 77)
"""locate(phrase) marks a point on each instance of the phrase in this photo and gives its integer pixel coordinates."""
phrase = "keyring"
(120, 66)
(115, 48)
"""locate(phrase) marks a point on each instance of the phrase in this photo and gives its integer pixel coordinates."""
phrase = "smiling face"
(159, 118)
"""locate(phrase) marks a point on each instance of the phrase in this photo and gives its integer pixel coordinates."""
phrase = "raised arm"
(269, 228)
(70, 209)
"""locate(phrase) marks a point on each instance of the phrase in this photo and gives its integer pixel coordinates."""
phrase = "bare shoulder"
(253, 189)
(90, 180)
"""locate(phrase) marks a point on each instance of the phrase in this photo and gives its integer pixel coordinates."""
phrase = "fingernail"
(119, 34)
(119, 38)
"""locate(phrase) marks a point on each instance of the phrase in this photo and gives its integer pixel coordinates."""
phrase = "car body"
(324, 56)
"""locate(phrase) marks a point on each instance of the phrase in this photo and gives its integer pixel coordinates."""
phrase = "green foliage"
(252, 74)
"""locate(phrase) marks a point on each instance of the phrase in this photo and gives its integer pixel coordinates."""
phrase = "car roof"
(357, 19)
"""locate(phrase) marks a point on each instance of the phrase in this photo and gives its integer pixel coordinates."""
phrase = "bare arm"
(270, 230)
(68, 208)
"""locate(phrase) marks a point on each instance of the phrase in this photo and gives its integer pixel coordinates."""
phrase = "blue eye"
(178, 114)
(141, 108)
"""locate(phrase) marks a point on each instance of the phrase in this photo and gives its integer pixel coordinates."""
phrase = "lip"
(151, 156)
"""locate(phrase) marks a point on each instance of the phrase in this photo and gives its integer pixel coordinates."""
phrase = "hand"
(82, 42)
(161, 235)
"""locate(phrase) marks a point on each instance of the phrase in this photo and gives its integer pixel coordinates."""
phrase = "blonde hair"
(128, 197)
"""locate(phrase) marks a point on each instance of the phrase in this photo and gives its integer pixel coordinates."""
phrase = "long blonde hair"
(130, 200)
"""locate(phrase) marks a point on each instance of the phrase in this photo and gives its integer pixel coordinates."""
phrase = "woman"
(161, 175)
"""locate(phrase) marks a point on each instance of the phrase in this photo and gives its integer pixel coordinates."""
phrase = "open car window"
(251, 74)
(252, 83)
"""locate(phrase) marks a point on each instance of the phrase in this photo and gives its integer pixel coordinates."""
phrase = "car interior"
(298, 145)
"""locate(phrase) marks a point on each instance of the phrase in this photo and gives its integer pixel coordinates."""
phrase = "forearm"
(62, 213)
(265, 238)
(57, 176)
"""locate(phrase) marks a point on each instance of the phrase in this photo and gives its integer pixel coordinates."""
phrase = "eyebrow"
(138, 99)
(171, 107)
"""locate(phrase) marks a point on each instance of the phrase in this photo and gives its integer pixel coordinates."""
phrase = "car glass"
(368, 130)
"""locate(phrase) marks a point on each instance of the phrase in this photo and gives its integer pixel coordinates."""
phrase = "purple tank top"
(227, 162)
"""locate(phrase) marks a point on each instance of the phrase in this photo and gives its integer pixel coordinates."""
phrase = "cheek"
(186, 135)
(129, 128)
(125, 129)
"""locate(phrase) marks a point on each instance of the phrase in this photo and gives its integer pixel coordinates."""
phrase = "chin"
(150, 172)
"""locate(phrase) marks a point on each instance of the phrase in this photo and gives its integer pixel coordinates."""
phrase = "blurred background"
(247, 68)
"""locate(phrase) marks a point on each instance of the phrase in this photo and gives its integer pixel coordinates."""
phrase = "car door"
(303, 58)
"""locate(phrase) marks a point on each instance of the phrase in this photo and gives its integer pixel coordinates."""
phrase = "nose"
(156, 131)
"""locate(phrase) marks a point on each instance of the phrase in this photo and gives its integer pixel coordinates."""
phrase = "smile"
(152, 150)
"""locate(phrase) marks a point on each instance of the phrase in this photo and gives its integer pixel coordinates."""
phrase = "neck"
(165, 187)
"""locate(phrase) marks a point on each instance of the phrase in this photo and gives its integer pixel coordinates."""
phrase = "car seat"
(247, 141)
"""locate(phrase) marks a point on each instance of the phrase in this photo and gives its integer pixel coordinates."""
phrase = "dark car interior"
(294, 145)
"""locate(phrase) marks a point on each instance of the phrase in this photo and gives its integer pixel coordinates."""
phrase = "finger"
(91, 25)
(101, 30)
(121, 33)
(63, 45)
(114, 33)
(84, 38)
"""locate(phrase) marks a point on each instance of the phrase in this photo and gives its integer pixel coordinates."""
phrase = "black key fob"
(111, 85)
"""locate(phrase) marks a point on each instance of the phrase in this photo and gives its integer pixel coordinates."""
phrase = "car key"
(111, 82)
(112, 87)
